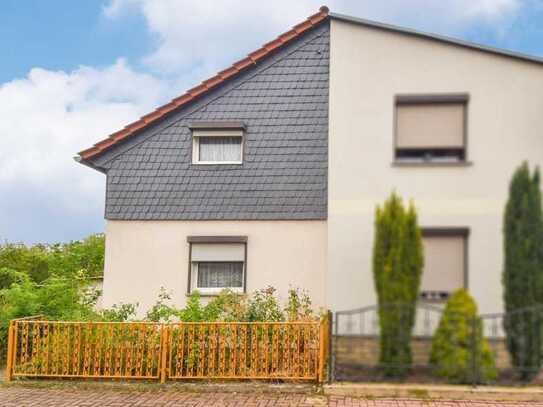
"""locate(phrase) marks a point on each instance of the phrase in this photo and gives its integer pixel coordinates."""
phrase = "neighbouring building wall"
(143, 256)
(368, 68)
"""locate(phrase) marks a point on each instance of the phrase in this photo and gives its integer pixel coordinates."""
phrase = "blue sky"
(63, 34)
(74, 71)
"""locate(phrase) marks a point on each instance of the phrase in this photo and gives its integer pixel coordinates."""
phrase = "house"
(269, 172)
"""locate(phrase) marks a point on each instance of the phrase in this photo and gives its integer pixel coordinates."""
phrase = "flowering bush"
(262, 306)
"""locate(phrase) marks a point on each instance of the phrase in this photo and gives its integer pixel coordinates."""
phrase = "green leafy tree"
(32, 261)
(54, 298)
(523, 271)
(84, 258)
(397, 268)
(459, 351)
(9, 276)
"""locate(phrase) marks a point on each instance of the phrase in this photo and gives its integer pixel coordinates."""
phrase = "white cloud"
(491, 9)
(206, 34)
(48, 116)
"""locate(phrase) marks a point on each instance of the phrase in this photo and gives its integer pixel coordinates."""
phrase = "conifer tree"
(523, 271)
(397, 268)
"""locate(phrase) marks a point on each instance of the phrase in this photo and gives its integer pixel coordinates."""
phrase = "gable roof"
(206, 85)
(256, 56)
(283, 102)
(436, 37)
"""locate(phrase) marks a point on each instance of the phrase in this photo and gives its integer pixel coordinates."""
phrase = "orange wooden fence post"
(11, 351)
(164, 353)
(329, 333)
(323, 332)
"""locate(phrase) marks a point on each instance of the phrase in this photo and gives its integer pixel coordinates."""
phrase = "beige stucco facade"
(143, 256)
(368, 68)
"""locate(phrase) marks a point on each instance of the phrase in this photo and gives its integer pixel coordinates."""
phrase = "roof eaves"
(89, 164)
(204, 87)
(437, 37)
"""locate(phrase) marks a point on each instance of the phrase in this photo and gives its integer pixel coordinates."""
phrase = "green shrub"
(264, 306)
(54, 298)
(523, 271)
(397, 268)
(299, 306)
(119, 313)
(228, 306)
(459, 352)
(161, 311)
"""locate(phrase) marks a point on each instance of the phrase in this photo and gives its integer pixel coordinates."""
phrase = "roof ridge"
(207, 85)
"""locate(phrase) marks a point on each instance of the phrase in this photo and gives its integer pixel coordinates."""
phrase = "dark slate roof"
(212, 83)
(283, 101)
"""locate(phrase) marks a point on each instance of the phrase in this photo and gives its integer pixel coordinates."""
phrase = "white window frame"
(214, 290)
(196, 134)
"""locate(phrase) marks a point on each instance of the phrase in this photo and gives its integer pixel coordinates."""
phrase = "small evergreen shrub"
(459, 352)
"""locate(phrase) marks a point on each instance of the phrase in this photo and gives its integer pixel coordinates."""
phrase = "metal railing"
(499, 348)
(153, 351)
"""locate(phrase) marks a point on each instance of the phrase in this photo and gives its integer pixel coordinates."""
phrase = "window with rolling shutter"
(431, 128)
(217, 263)
(445, 262)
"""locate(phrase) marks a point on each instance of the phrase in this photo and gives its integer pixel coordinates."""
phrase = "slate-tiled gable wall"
(283, 102)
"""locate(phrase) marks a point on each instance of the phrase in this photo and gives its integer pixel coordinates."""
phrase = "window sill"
(398, 163)
(217, 163)
(214, 293)
(428, 298)
(435, 301)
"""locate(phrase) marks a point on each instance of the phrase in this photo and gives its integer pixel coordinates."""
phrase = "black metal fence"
(502, 348)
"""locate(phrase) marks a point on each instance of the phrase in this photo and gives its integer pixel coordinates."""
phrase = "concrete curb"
(241, 387)
(444, 392)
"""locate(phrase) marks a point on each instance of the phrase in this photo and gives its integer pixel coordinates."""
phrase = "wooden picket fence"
(155, 351)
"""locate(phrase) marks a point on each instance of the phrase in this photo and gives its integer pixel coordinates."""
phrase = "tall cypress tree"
(523, 271)
(397, 269)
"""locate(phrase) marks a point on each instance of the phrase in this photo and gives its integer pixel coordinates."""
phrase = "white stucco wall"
(505, 126)
(142, 256)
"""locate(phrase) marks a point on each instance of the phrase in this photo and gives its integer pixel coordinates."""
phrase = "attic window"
(217, 143)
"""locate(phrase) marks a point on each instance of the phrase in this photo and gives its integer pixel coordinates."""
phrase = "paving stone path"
(39, 397)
